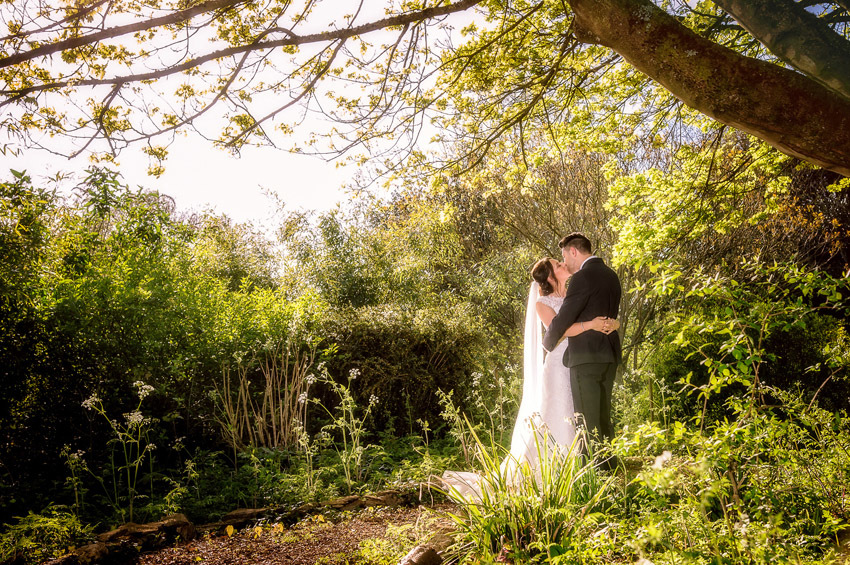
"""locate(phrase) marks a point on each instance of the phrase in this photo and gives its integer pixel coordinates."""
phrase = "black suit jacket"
(593, 291)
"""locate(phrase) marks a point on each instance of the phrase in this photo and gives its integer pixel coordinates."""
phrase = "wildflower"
(302, 398)
(373, 399)
(89, 402)
(134, 418)
(311, 378)
(143, 389)
(353, 374)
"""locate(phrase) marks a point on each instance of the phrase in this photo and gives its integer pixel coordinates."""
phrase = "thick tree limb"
(797, 37)
(786, 109)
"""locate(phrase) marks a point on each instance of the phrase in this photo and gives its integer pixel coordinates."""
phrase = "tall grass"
(529, 514)
(273, 416)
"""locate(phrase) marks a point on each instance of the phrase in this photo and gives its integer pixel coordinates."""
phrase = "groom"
(594, 290)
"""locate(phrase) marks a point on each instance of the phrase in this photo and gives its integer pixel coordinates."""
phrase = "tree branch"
(290, 40)
(101, 126)
(304, 91)
(213, 5)
(74, 42)
(784, 108)
(798, 37)
(69, 18)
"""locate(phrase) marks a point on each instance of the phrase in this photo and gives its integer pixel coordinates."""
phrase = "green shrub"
(774, 325)
(403, 357)
(766, 485)
(388, 550)
(754, 473)
(38, 537)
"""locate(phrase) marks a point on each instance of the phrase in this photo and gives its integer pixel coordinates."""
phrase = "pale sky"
(199, 177)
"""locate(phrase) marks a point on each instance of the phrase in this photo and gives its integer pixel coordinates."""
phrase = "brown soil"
(332, 541)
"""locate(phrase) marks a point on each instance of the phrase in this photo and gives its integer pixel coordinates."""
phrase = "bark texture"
(797, 37)
(793, 113)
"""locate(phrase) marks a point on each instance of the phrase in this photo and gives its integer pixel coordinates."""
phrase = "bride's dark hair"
(541, 272)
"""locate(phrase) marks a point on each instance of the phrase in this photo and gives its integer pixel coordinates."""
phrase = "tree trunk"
(784, 108)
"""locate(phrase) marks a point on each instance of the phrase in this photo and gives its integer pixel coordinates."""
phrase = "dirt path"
(350, 538)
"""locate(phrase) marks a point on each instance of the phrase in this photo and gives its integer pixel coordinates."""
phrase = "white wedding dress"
(547, 400)
(546, 418)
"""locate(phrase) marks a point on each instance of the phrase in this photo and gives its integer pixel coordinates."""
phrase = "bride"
(546, 417)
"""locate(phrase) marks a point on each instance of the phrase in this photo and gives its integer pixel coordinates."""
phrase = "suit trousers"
(592, 384)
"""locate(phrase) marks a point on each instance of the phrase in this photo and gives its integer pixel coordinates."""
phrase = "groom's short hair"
(577, 240)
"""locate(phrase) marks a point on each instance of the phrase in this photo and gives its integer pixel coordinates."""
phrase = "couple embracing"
(566, 388)
(577, 300)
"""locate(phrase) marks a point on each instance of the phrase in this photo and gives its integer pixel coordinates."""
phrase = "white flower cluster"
(89, 402)
(373, 399)
(476, 379)
(353, 374)
(310, 379)
(143, 389)
(302, 398)
(135, 418)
